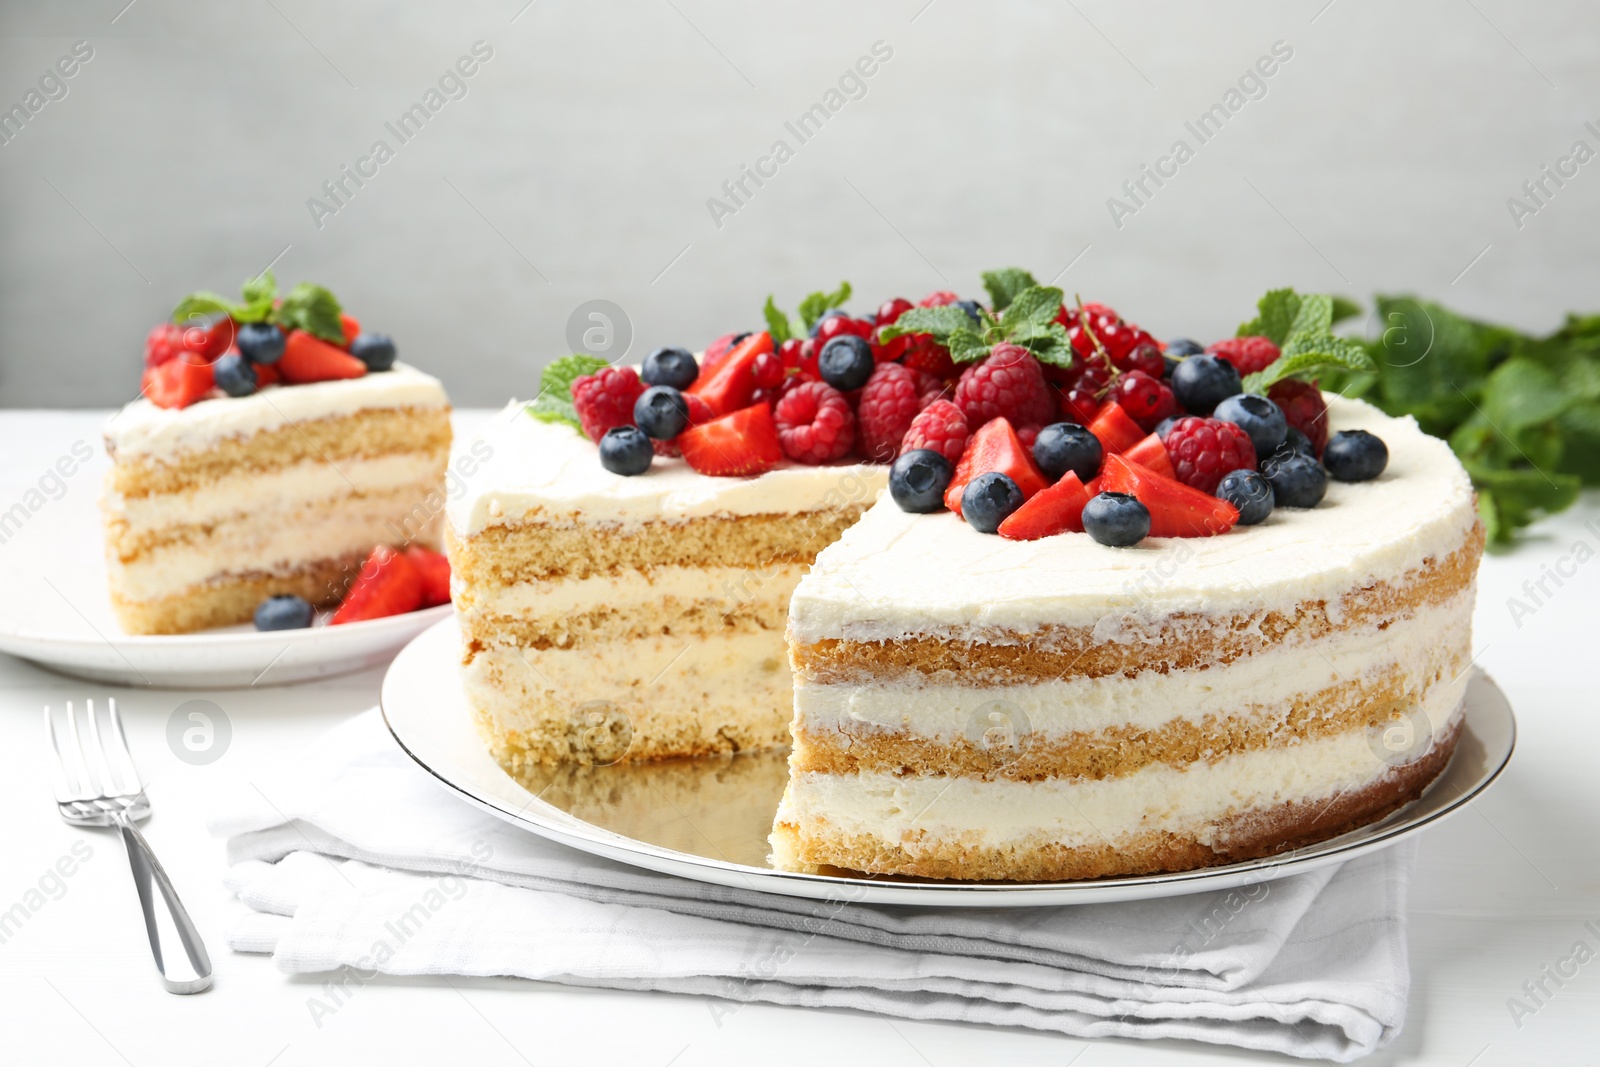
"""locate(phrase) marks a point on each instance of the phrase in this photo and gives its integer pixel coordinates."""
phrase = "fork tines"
(97, 766)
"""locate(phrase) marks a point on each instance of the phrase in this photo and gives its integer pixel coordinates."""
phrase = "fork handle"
(165, 919)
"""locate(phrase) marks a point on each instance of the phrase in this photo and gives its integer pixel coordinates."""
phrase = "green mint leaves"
(310, 308)
(1004, 284)
(554, 402)
(1302, 327)
(1028, 319)
(306, 307)
(786, 327)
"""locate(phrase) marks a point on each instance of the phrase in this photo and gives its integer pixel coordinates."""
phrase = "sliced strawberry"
(730, 386)
(177, 383)
(1054, 509)
(717, 351)
(387, 584)
(433, 572)
(1116, 429)
(351, 327)
(307, 358)
(743, 443)
(994, 448)
(266, 374)
(1176, 510)
(1151, 454)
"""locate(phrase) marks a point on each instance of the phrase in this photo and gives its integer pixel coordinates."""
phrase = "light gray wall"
(579, 163)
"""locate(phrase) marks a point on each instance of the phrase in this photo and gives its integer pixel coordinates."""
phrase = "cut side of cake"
(213, 507)
(969, 707)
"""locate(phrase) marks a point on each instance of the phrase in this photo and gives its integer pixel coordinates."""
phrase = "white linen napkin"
(357, 861)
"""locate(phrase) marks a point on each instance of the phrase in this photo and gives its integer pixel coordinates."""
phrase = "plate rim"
(596, 840)
(303, 634)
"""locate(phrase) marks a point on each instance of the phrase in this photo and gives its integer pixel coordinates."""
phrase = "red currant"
(789, 353)
(1147, 357)
(1148, 400)
(807, 361)
(1080, 406)
(768, 371)
(890, 310)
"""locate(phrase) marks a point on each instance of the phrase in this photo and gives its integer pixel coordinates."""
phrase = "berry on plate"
(1116, 430)
(1257, 416)
(1152, 455)
(846, 362)
(1297, 481)
(925, 354)
(1064, 448)
(433, 573)
(815, 423)
(234, 375)
(1145, 398)
(626, 450)
(887, 406)
(670, 366)
(177, 383)
(1355, 456)
(742, 443)
(1007, 384)
(376, 350)
(605, 399)
(994, 448)
(661, 412)
(308, 358)
(988, 500)
(1295, 441)
(918, 480)
(285, 612)
(731, 385)
(941, 427)
(1054, 509)
(718, 350)
(1203, 450)
(260, 342)
(1202, 382)
(1247, 354)
(1250, 493)
(1116, 519)
(1303, 409)
(1175, 509)
(387, 584)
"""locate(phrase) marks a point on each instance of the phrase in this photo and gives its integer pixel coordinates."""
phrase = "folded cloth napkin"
(356, 861)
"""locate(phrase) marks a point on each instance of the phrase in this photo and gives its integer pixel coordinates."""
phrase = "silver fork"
(99, 786)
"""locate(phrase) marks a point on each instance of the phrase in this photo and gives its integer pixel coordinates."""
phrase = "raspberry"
(1028, 435)
(699, 411)
(1247, 354)
(930, 389)
(1147, 399)
(941, 427)
(938, 299)
(887, 405)
(1203, 450)
(1008, 383)
(163, 344)
(604, 400)
(925, 354)
(815, 423)
(1303, 408)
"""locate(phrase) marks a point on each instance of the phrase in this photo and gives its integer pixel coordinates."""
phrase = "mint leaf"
(814, 304)
(1048, 341)
(1037, 304)
(966, 344)
(1510, 499)
(1344, 309)
(777, 322)
(554, 402)
(1314, 316)
(1307, 355)
(1520, 394)
(202, 304)
(939, 321)
(258, 294)
(1275, 316)
(313, 309)
(1003, 285)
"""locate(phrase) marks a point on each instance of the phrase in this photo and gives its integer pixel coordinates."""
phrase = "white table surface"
(1504, 889)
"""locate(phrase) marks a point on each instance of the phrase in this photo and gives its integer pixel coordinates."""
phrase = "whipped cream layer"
(896, 575)
(143, 430)
(550, 473)
(645, 592)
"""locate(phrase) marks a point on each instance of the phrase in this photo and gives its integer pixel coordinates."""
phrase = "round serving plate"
(708, 819)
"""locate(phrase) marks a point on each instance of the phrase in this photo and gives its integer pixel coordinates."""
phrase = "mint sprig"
(813, 306)
(1302, 328)
(307, 307)
(1028, 319)
(554, 402)
(310, 308)
(1004, 284)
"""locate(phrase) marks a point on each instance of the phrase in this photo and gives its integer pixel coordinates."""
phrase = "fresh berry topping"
(626, 450)
(971, 307)
(1295, 441)
(210, 340)
(768, 370)
(1250, 493)
(1163, 426)
(885, 410)
(1297, 481)
(988, 499)
(1203, 450)
(350, 326)
(267, 374)
(731, 385)
(163, 344)
(1116, 430)
(1257, 416)
(387, 584)
(307, 358)
(743, 443)
(605, 399)
(1116, 519)
(1008, 384)
(1080, 406)
(1152, 455)
(177, 383)
(1355, 456)
(1117, 337)
(234, 375)
(815, 423)
(846, 362)
(836, 323)
(1180, 347)
(284, 612)
(376, 350)
(1066, 448)
(698, 413)
(1144, 397)
(918, 480)
(1146, 356)
(930, 389)
(1028, 435)
(718, 350)
(260, 342)
(1202, 382)
(925, 354)
(1247, 354)
(433, 574)
(938, 299)
(661, 412)
(1054, 509)
(940, 427)
(994, 448)
(1175, 509)
(890, 310)
(833, 330)
(1303, 409)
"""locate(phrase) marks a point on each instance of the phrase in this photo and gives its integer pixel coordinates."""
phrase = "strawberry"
(177, 383)
(743, 443)
(718, 350)
(433, 574)
(730, 385)
(307, 358)
(1152, 455)
(1176, 510)
(1054, 509)
(1116, 429)
(387, 584)
(266, 374)
(994, 448)
(351, 326)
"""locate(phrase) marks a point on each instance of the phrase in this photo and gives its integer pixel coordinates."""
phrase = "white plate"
(708, 819)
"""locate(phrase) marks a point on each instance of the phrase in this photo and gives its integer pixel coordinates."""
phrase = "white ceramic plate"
(708, 819)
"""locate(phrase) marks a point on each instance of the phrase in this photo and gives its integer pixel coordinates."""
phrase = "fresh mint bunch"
(306, 307)
(1302, 328)
(1027, 318)
(554, 402)
(784, 327)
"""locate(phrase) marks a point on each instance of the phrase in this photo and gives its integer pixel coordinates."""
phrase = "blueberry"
(234, 374)
(661, 412)
(376, 350)
(1066, 446)
(988, 499)
(1249, 492)
(1168, 365)
(626, 450)
(1355, 456)
(1164, 425)
(831, 313)
(283, 613)
(670, 366)
(971, 308)
(260, 342)
(1182, 347)
(1297, 481)
(918, 479)
(1257, 416)
(846, 362)
(1202, 382)
(1116, 519)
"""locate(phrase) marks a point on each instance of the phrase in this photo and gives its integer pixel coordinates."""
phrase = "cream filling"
(279, 489)
(639, 591)
(1434, 640)
(916, 811)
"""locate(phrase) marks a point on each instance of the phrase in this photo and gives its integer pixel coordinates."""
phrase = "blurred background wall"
(577, 160)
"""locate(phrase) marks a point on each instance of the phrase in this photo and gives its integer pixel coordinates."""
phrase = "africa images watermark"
(50, 885)
(1537, 592)
(1536, 991)
(852, 85)
(1538, 191)
(1252, 85)
(50, 486)
(339, 191)
(52, 86)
